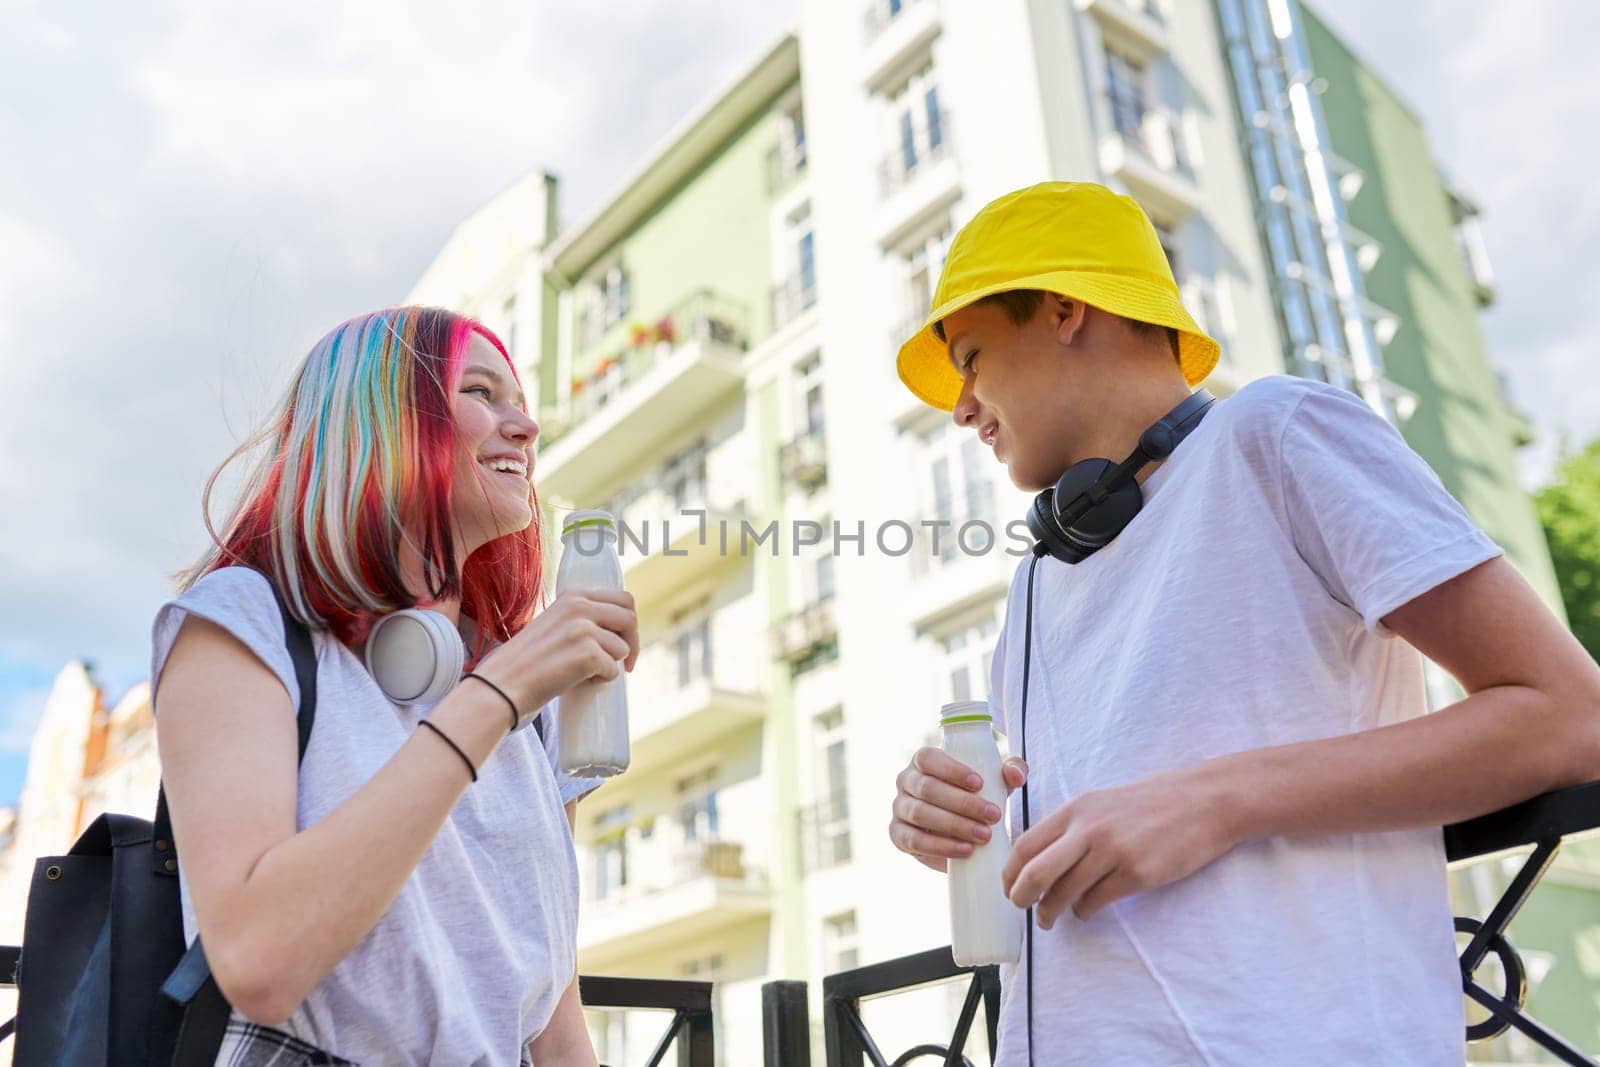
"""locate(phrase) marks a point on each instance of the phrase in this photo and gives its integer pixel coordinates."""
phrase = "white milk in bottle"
(985, 927)
(592, 735)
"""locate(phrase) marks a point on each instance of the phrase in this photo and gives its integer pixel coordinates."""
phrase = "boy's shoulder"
(1272, 398)
(1255, 416)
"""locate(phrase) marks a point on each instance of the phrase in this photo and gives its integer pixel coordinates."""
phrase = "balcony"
(792, 298)
(965, 572)
(916, 179)
(804, 461)
(1144, 151)
(804, 635)
(676, 709)
(897, 34)
(677, 891)
(664, 546)
(1134, 25)
(823, 828)
(785, 164)
(687, 364)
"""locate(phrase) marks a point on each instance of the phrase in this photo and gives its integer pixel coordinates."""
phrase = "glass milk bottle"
(592, 730)
(985, 927)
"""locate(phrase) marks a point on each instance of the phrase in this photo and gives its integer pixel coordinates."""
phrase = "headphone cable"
(1027, 658)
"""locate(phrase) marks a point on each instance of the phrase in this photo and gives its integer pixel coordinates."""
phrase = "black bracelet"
(446, 737)
(516, 716)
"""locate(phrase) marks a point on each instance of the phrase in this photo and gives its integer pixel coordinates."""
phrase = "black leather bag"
(104, 977)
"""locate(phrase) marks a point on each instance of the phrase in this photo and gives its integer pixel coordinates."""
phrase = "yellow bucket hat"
(1078, 239)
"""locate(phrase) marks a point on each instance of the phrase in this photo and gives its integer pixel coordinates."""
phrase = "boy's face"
(1022, 391)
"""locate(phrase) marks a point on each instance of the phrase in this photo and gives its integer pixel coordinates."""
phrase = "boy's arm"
(1530, 724)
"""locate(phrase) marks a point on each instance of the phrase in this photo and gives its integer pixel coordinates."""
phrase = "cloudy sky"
(191, 193)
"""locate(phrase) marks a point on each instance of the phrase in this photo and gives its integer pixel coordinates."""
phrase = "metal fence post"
(785, 1025)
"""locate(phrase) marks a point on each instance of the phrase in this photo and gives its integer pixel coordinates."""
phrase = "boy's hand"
(938, 812)
(1106, 845)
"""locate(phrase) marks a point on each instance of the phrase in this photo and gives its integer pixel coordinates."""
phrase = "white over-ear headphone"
(415, 656)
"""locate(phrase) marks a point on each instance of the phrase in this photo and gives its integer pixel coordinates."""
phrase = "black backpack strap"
(301, 653)
(206, 1011)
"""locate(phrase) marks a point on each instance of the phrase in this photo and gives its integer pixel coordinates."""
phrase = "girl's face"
(494, 450)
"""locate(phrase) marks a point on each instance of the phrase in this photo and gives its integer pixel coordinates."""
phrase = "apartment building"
(818, 560)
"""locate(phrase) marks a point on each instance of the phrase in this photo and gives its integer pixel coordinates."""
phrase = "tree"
(1569, 509)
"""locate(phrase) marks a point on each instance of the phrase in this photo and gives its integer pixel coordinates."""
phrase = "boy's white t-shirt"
(1241, 609)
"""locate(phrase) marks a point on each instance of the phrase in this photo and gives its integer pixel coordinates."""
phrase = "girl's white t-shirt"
(1242, 609)
(468, 963)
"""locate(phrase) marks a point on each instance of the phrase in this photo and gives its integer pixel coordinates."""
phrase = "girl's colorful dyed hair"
(361, 459)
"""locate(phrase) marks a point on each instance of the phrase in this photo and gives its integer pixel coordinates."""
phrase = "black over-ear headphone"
(1095, 499)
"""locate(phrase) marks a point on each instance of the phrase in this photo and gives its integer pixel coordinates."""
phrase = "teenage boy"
(1234, 852)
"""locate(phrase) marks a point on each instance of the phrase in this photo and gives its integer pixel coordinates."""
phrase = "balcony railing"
(805, 633)
(824, 832)
(880, 13)
(785, 163)
(804, 461)
(677, 889)
(660, 378)
(705, 316)
(678, 708)
(930, 143)
(1542, 823)
(690, 1003)
(792, 298)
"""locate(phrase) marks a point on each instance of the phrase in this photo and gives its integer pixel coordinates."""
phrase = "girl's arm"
(278, 909)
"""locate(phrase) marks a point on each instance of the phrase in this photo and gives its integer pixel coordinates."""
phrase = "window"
(608, 302)
(691, 644)
(609, 1027)
(683, 477)
(831, 783)
(824, 576)
(792, 146)
(697, 805)
(840, 951)
(808, 385)
(922, 265)
(962, 488)
(1169, 245)
(610, 851)
(705, 969)
(509, 316)
(799, 289)
(1125, 80)
(964, 657)
(806, 249)
(917, 125)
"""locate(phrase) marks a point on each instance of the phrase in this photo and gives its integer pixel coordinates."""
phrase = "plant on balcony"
(577, 386)
(638, 334)
(664, 331)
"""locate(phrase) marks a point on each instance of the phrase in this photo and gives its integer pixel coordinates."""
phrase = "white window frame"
(806, 376)
(841, 942)
(970, 471)
(833, 842)
(924, 257)
(968, 648)
(910, 99)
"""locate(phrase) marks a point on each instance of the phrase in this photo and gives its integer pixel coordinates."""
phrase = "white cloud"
(209, 187)
(1507, 97)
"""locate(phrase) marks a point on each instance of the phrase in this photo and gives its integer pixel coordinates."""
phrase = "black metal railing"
(1542, 823)
(689, 1002)
(850, 1045)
